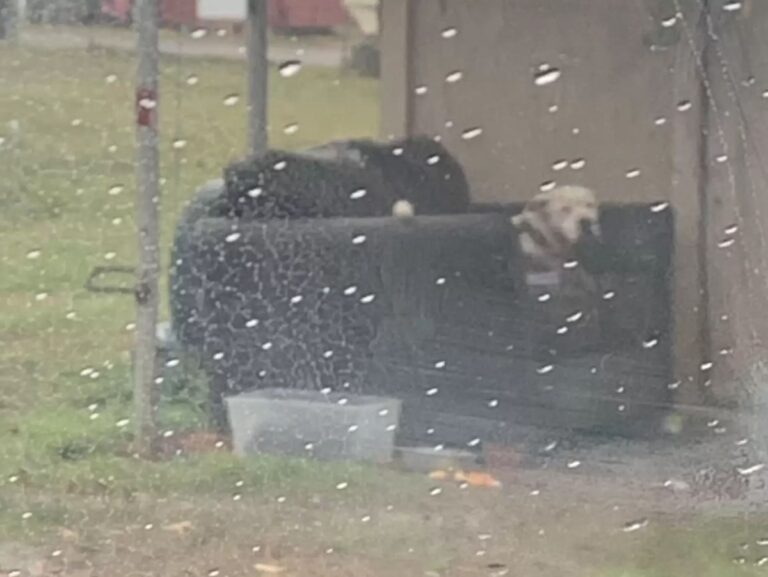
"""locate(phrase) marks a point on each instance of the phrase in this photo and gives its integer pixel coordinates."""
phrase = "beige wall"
(612, 89)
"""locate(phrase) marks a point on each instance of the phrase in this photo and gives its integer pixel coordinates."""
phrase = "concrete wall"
(615, 105)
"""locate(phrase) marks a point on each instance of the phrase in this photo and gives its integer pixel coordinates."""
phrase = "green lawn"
(66, 205)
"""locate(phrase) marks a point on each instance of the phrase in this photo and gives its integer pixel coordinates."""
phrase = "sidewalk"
(312, 51)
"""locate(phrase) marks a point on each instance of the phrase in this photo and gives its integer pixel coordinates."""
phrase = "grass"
(67, 205)
(66, 200)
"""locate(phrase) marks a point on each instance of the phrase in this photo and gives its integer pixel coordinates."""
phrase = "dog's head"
(555, 224)
(570, 212)
(573, 212)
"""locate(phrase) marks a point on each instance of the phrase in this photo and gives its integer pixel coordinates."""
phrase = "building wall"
(615, 106)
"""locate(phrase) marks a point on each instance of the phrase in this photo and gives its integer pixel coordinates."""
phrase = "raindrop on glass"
(231, 99)
(454, 77)
(449, 32)
(289, 68)
(546, 74)
(471, 133)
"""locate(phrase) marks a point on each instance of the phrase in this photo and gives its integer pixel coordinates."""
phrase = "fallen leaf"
(267, 568)
(477, 479)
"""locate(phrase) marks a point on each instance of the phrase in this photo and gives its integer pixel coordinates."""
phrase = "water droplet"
(746, 471)
(289, 68)
(358, 194)
(578, 164)
(659, 207)
(280, 165)
(542, 298)
(343, 485)
(732, 6)
(650, 343)
(732, 229)
(192, 79)
(669, 22)
(449, 32)
(454, 77)
(122, 423)
(359, 239)
(296, 299)
(721, 158)
(726, 242)
(562, 330)
(111, 79)
(266, 346)
(179, 143)
(633, 526)
(34, 254)
(148, 103)
(110, 255)
(570, 264)
(368, 299)
(575, 317)
(231, 99)
(77, 122)
(232, 237)
(608, 295)
(440, 365)
(545, 369)
(546, 75)
(553, 108)
(350, 290)
(493, 403)
(573, 464)
(421, 90)
(41, 296)
(398, 151)
(198, 33)
(547, 185)
(471, 133)
(660, 121)
(707, 366)
(559, 165)
(26, 515)
(633, 173)
(684, 105)
(435, 491)
(440, 281)
(255, 192)
(434, 159)
(432, 392)
(292, 128)
(115, 190)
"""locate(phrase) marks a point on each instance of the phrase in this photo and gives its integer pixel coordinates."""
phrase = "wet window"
(398, 287)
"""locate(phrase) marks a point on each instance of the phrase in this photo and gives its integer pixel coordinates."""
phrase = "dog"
(556, 225)
(555, 230)
(354, 178)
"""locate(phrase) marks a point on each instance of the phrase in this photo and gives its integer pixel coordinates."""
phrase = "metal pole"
(258, 75)
(147, 200)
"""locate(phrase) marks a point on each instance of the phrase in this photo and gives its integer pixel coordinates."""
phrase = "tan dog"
(554, 222)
